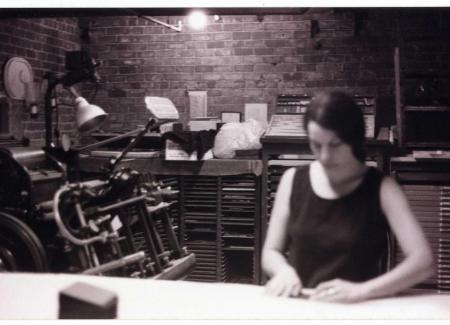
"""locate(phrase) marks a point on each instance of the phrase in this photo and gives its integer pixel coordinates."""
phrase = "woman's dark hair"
(339, 113)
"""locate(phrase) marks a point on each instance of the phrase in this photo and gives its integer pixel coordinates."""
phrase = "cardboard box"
(206, 124)
(175, 152)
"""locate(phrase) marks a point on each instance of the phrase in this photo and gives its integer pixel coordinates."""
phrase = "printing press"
(52, 220)
(117, 225)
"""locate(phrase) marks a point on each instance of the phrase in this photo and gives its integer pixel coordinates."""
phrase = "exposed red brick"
(264, 51)
(243, 51)
(242, 35)
(219, 44)
(232, 27)
(204, 68)
(237, 59)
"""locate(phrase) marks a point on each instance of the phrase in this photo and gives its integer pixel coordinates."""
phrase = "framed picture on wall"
(230, 117)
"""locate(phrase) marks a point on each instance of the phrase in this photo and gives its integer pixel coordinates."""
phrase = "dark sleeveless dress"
(342, 238)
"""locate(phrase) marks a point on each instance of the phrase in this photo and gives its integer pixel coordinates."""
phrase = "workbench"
(35, 296)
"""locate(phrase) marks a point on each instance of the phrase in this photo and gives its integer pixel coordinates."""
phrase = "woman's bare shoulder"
(391, 193)
(388, 183)
(288, 175)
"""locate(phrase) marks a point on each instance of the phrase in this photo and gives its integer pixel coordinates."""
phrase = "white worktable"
(35, 296)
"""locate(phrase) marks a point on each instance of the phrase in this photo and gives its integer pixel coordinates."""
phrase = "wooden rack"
(422, 92)
(290, 111)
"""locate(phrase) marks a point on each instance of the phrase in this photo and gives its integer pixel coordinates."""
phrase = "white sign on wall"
(197, 104)
(256, 111)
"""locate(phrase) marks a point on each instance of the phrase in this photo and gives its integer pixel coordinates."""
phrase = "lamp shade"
(88, 116)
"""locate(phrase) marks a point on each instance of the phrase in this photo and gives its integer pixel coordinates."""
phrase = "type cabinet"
(427, 187)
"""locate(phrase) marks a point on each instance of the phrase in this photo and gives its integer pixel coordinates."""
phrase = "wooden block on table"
(84, 301)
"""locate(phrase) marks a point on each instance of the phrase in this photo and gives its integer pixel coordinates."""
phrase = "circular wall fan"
(17, 73)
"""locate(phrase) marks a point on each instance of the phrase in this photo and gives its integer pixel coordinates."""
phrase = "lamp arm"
(116, 138)
(115, 161)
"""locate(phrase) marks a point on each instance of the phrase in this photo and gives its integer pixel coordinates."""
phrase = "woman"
(333, 217)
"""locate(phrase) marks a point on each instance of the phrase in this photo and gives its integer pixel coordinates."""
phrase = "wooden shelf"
(422, 108)
(7, 140)
(440, 36)
(157, 166)
(243, 236)
(238, 248)
(428, 144)
(426, 75)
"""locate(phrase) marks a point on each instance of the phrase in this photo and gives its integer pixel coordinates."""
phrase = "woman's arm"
(416, 267)
(418, 263)
(284, 280)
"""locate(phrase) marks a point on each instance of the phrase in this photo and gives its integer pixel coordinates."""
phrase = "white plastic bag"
(237, 136)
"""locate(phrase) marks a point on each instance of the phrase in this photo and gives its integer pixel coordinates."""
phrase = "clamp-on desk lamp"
(80, 67)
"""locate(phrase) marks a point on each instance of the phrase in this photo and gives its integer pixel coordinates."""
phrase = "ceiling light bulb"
(197, 20)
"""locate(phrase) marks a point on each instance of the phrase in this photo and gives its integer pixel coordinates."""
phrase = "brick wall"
(239, 60)
(43, 43)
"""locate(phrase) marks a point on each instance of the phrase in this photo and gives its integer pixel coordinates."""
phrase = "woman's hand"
(340, 291)
(284, 283)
